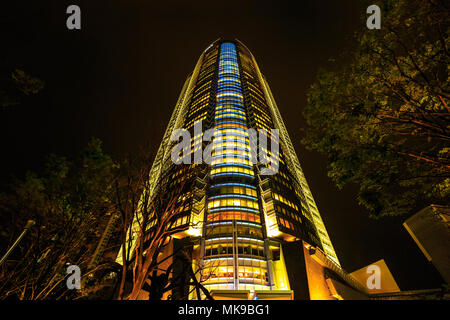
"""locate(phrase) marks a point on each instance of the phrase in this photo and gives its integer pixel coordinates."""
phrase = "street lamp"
(28, 226)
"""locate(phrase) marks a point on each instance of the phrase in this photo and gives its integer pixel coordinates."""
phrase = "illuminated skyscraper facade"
(251, 230)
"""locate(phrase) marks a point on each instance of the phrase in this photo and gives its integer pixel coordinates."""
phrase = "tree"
(18, 85)
(150, 217)
(382, 118)
(68, 202)
(73, 203)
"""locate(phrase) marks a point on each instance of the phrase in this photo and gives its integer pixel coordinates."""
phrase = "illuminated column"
(234, 254)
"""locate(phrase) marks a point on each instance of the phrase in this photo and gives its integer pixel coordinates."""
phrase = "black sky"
(118, 79)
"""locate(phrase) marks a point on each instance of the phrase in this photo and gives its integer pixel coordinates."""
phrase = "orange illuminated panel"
(234, 125)
(234, 215)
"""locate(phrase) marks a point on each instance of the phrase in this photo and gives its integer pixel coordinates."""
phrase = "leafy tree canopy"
(68, 200)
(382, 119)
(16, 85)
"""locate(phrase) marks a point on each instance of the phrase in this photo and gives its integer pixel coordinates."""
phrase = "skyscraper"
(252, 227)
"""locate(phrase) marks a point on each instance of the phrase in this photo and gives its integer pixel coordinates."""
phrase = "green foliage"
(68, 201)
(18, 85)
(26, 83)
(383, 118)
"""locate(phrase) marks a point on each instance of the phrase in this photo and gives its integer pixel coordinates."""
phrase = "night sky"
(119, 77)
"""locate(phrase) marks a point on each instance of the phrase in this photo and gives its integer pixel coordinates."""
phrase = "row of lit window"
(263, 120)
(180, 171)
(264, 152)
(227, 239)
(231, 113)
(212, 275)
(230, 108)
(206, 72)
(227, 249)
(257, 97)
(228, 140)
(230, 100)
(261, 125)
(254, 88)
(232, 169)
(200, 100)
(229, 72)
(261, 112)
(231, 137)
(229, 79)
(243, 262)
(227, 133)
(285, 201)
(242, 230)
(238, 190)
(294, 216)
(198, 117)
(228, 93)
(211, 60)
(203, 77)
(233, 202)
(283, 182)
(227, 149)
(232, 165)
(228, 60)
(282, 174)
(233, 195)
(228, 56)
(192, 122)
(229, 75)
(232, 116)
(227, 109)
(230, 145)
(230, 126)
(249, 75)
(180, 221)
(228, 65)
(229, 87)
(205, 86)
(231, 160)
(286, 223)
(230, 153)
(232, 123)
(234, 215)
(198, 107)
